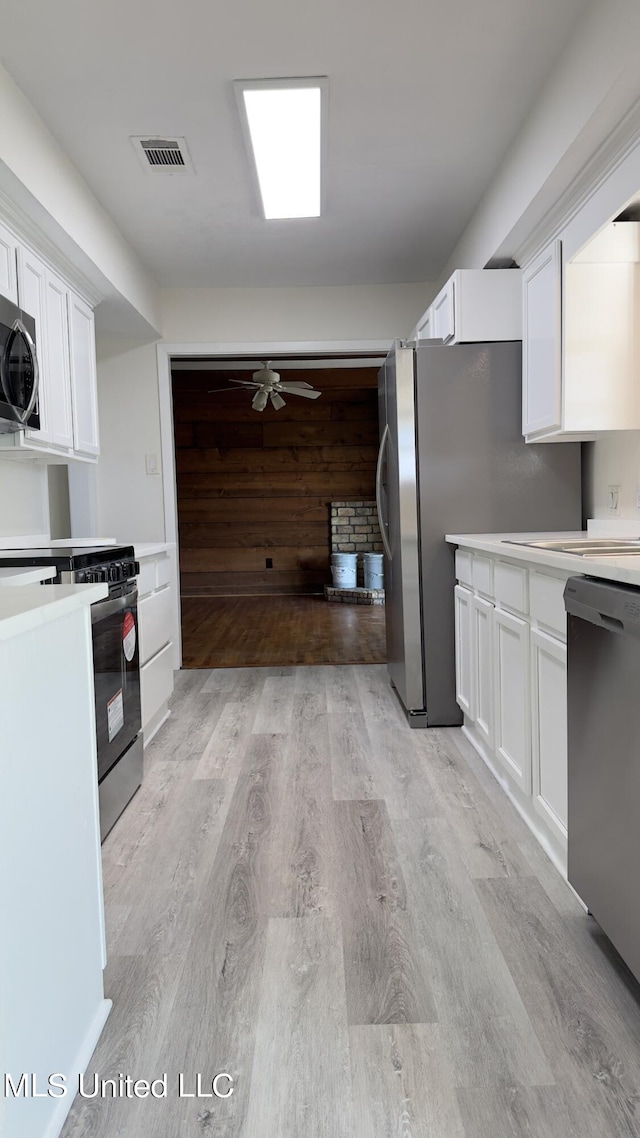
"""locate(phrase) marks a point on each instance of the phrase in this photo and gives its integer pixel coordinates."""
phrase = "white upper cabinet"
(475, 306)
(56, 363)
(443, 313)
(65, 345)
(8, 277)
(32, 277)
(542, 342)
(580, 350)
(84, 390)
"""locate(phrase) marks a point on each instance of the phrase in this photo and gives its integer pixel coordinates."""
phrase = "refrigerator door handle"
(384, 525)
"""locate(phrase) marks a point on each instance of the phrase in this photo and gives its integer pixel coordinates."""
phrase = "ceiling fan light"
(277, 401)
(259, 401)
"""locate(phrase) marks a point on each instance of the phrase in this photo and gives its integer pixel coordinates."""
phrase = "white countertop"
(625, 569)
(25, 608)
(152, 548)
(31, 576)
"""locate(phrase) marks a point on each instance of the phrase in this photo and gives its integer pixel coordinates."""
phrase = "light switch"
(151, 461)
(613, 499)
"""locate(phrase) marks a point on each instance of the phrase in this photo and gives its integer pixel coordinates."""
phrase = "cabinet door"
(511, 679)
(464, 655)
(8, 274)
(84, 390)
(424, 328)
(443, 316)
(542, 342)
(32, 299)
(59, 421)
(549, 729)
(482, 667)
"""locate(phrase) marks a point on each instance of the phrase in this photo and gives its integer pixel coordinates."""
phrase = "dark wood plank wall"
(256, 485)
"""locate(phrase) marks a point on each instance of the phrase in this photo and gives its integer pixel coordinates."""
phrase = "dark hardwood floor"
(279, 631)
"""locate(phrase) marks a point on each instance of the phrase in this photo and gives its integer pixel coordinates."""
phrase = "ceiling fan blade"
(299, 391)
(277, 401)
(240, 382)
(297, 383)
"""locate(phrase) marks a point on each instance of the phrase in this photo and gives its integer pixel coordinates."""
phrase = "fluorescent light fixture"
(283, 121)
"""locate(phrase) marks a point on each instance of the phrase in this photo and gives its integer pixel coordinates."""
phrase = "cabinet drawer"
(510, 584)
(163, 571)
(147, 576)
(547, 602)
(154, 623)
(463, 567)
(156, 683)
(482, 571)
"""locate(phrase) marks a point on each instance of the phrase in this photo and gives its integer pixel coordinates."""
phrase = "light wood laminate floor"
(348, 917)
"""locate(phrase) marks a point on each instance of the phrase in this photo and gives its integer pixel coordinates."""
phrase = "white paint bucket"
(343, 570)
(373, 570)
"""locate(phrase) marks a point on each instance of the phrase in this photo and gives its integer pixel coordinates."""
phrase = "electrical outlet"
(268, 562)
(613, 499)
(151, 463)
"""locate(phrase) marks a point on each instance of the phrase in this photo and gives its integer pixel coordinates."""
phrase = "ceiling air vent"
(163, 155)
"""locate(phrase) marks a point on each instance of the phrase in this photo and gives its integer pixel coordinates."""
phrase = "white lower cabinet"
(512, 739)
(156, 685)
(549, 729)
(464, 665)
(511, 684)
(155, 614)
(482, 666)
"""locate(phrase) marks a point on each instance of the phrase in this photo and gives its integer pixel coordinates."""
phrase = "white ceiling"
(424, 100)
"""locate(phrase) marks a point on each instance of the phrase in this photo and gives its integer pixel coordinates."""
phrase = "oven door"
(116, 665)
(19, 372)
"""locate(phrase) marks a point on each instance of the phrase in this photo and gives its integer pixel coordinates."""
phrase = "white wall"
(24, 500)
(612, 461)
(41, 180)
(130, 502)
(240, 315)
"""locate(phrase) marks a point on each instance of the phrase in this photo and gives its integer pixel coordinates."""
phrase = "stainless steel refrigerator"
(452, 460)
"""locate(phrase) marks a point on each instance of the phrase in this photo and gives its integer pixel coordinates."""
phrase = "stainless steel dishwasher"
(603, 685)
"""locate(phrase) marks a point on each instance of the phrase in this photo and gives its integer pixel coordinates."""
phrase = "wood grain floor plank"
(402, 1087)
(300, 1081)
(165, 894)
(592, 1040)
(485, 838)
(189, 731)
(142, 989)
(144, 817)
(526, 1112)
(486, 1031)
(386, 982)
(275, 707)
(301, 857)
(223, 755)
(349, 749)
(213, 1019)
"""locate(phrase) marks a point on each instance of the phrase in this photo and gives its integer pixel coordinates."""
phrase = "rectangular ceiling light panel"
(284, 125)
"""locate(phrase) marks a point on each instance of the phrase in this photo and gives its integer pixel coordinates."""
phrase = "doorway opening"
(254, 496)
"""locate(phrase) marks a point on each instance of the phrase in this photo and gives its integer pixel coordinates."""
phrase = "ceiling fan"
(269, 387)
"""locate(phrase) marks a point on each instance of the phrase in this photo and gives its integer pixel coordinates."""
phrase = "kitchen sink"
(594, 547)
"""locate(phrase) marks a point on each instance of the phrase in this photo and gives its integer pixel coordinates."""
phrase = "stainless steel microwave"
(19, 373)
